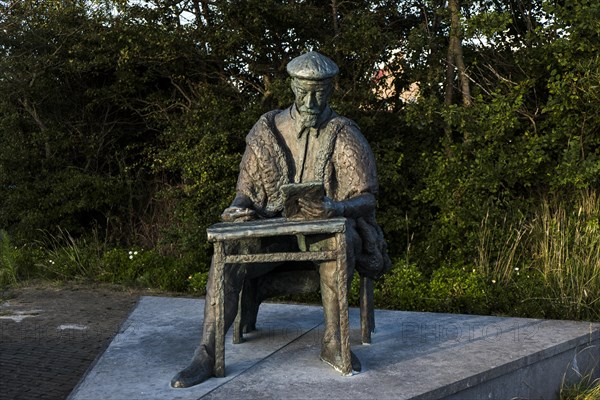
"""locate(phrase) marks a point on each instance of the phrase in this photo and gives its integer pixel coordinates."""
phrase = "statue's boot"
(332, 355)
(202, 365)
(198, 371)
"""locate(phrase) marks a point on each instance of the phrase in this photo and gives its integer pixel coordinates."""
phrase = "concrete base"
(413, 356)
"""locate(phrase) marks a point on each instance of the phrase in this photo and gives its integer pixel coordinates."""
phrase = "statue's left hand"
(328, 208)
(238, 214)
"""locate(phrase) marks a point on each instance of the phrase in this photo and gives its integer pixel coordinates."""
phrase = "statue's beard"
(309, 120)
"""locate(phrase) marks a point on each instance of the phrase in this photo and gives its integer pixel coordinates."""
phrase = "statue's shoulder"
(263, 127)
(339, 122)
(348, 132)
(352, 149)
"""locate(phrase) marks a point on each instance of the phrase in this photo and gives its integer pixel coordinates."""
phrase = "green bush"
(403, 288)
(28, 259)
(65, 258)
(461, 290)
(197, 283)
(525, 294)
(465, 290)
(148, 268)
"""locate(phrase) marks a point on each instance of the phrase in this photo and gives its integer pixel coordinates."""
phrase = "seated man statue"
(308, 142)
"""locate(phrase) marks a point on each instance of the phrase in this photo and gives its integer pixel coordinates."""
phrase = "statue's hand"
(238, 214)
(327, 208)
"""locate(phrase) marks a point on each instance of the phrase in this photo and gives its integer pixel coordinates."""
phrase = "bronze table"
(221, 233)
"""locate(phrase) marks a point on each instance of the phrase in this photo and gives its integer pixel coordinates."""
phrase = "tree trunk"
(455, 58)
(334, 13)
(202, 11)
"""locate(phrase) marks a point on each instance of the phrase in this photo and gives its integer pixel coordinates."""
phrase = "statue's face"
(311, 99)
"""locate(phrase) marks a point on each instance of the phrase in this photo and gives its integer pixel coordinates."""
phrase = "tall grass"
(502, 246)
(581, 392)
(566, 249)
(584, 387)
(559, 242)
(69, 258)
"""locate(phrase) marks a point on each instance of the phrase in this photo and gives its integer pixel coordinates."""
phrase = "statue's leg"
(203, 361)
(286, 278)
(331, 350)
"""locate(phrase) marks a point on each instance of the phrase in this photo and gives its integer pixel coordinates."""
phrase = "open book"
(313, 191)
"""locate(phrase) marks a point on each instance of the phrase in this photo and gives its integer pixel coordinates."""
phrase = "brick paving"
(49, 336)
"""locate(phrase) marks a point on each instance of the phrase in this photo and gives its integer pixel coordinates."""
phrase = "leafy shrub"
(525, 294)
(147, 268)
(197, 282)
(30, 260)
(403, 288)
(461, 290)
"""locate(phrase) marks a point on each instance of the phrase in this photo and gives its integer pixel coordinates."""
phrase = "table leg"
(218, 265)
(367, 318)
(342, 288)
(238, 335)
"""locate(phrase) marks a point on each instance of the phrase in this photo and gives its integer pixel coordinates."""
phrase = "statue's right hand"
(238, 214)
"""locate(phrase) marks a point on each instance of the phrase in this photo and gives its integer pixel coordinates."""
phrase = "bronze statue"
(307, 142)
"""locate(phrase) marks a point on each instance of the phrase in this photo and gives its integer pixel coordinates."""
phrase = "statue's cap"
(313, 66)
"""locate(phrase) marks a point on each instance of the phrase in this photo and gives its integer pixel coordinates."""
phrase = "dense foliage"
(122, 123)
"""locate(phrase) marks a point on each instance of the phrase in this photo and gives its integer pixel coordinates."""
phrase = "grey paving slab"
(159, 338)
(413, 356)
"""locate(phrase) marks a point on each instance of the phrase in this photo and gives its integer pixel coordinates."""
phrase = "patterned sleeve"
(355, 164)
(248, 183)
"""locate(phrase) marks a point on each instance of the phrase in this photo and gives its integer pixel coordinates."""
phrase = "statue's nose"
(310, 101)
